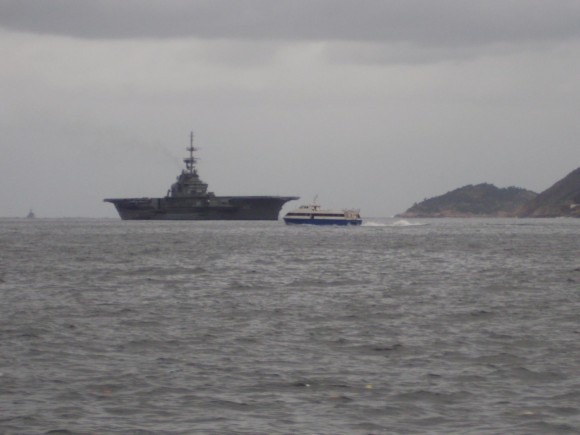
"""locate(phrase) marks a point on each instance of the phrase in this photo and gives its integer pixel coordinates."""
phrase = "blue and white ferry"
(313, 214)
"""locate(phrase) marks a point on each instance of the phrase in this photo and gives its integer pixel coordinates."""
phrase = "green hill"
(560, 200)
(481, 200)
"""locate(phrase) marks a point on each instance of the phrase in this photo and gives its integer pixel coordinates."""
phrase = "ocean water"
(395, 327)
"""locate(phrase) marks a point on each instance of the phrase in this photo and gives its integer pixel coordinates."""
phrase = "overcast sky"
(370, 104)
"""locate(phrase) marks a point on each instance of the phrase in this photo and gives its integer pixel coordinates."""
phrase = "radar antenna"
(190, 161)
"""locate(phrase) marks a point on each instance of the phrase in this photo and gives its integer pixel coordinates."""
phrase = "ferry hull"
(201, 208)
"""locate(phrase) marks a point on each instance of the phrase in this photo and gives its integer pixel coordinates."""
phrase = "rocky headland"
(481, 200)
(486, 200)
(560, 200)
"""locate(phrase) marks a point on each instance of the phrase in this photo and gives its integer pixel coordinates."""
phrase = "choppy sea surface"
(396, 327)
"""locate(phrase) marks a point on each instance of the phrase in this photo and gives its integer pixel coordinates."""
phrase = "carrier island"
(189, 199)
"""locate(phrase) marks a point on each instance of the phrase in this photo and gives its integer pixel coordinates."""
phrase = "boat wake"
(400, 223)
(374, 224)
(404, 223)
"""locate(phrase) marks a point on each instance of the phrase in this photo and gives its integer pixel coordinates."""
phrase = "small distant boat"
(313, 214)
(30, 215)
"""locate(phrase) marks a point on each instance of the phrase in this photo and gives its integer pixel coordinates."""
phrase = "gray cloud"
(374, 104)
(421, 22)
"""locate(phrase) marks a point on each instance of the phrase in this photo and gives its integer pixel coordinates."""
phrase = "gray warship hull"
(201, 208)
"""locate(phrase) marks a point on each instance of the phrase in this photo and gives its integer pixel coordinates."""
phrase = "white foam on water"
(374, 224)
(399, 223)
(404, 223)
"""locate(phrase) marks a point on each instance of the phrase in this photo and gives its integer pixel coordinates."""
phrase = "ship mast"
(190, 161)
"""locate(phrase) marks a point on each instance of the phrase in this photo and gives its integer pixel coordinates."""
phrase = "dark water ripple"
(458, 326)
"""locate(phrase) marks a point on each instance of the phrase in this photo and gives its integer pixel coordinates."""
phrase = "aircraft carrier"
(188, 199)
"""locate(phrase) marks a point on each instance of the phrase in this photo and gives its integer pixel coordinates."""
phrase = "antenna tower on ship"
(190, 161)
